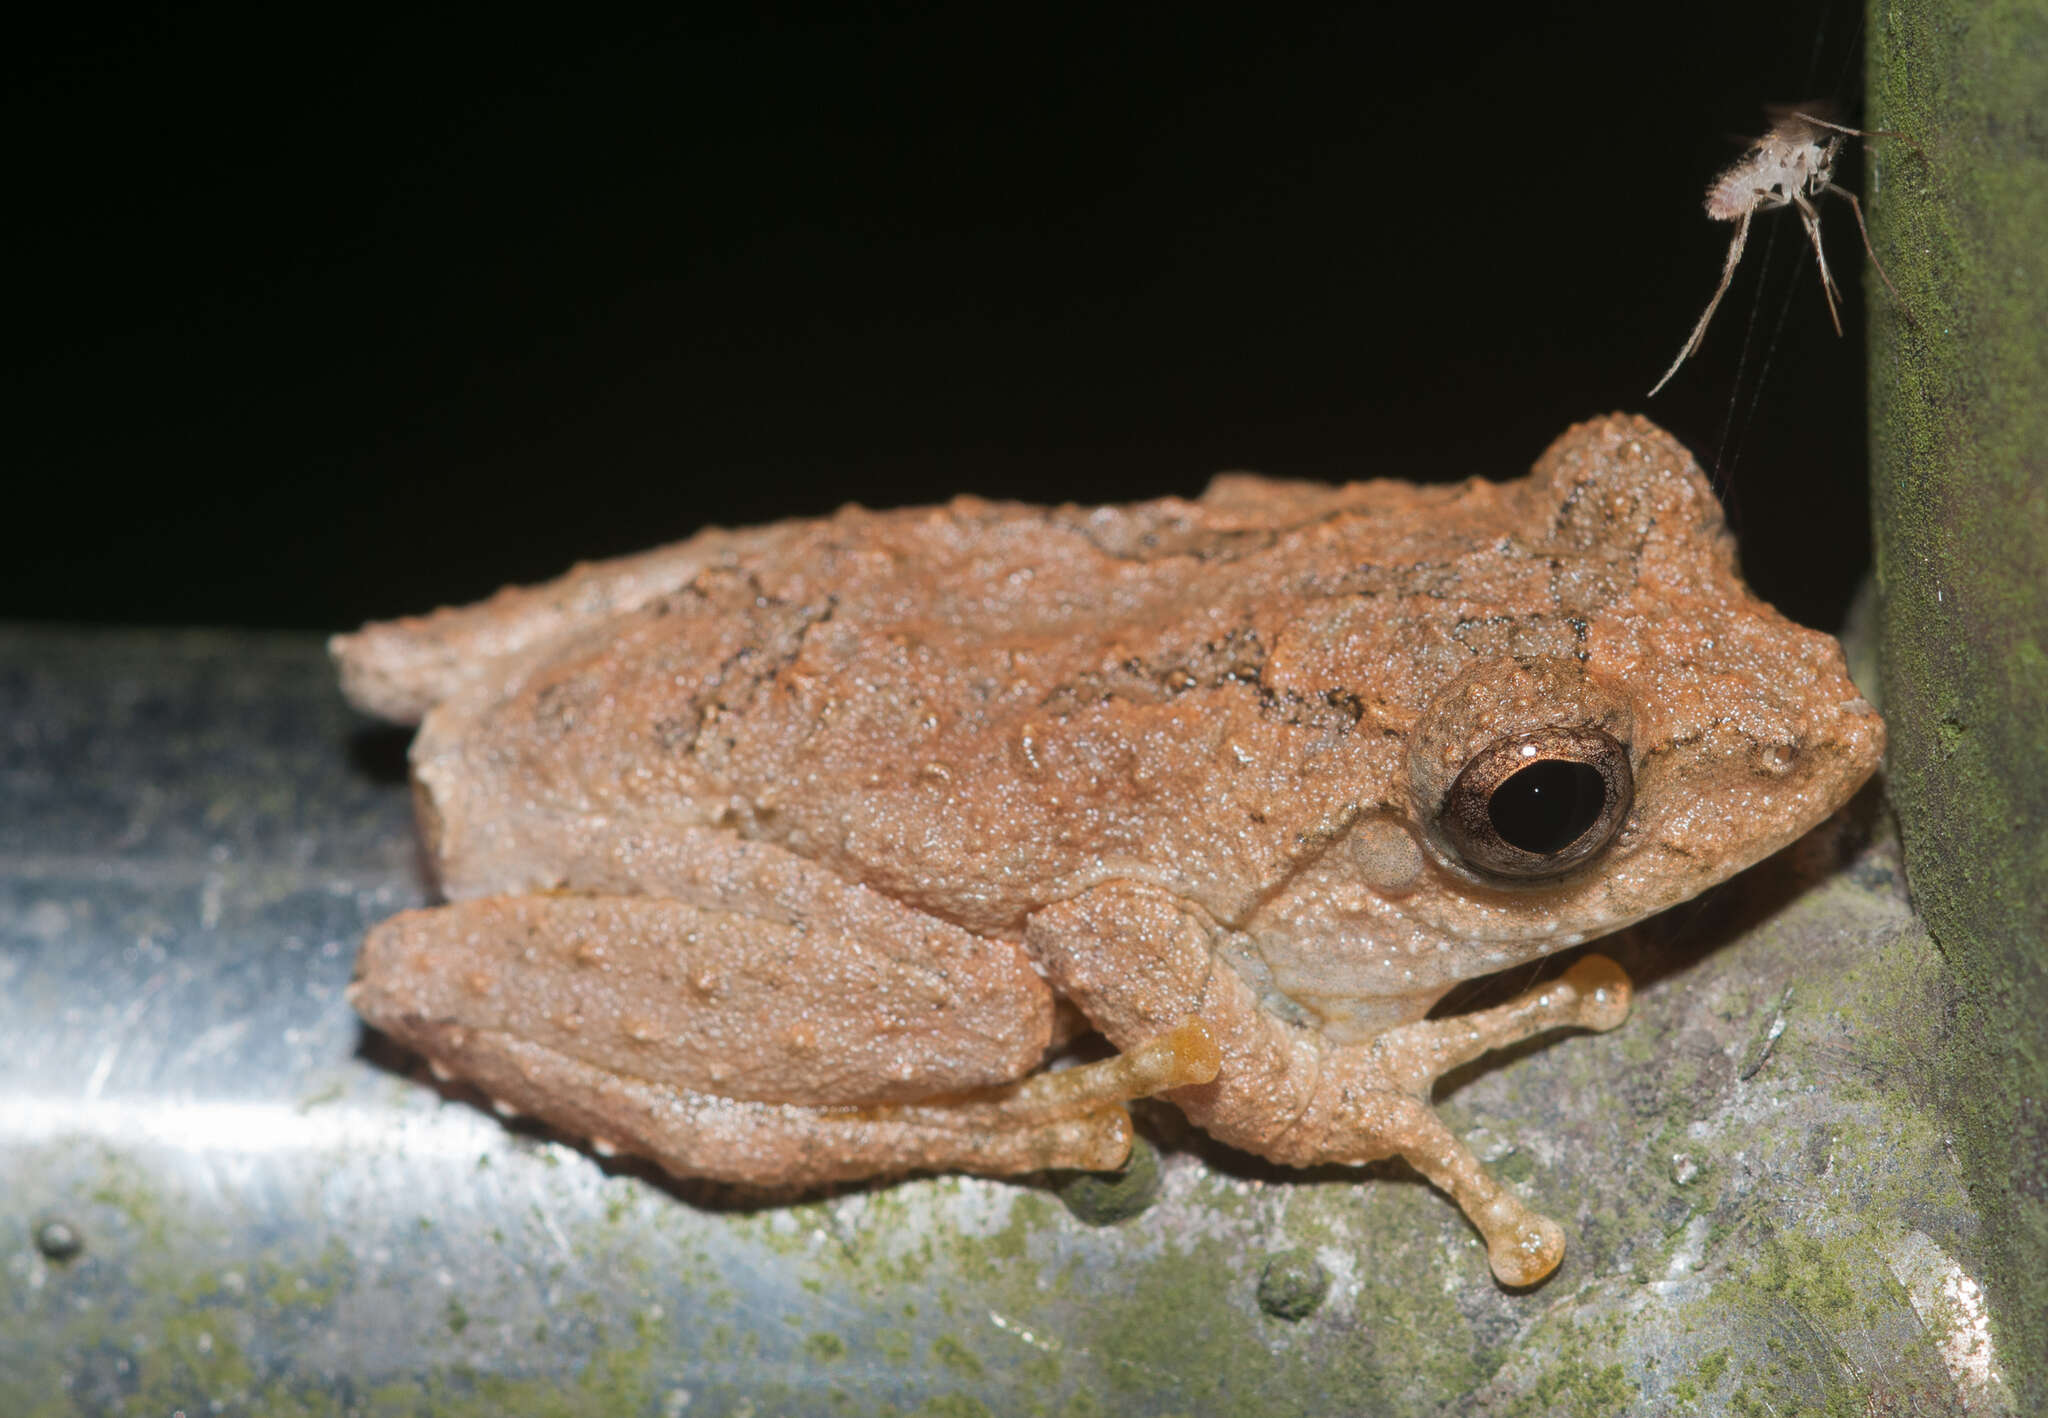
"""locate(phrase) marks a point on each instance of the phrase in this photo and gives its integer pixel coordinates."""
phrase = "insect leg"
(1727, 275)
(1857, 207)
(1810, 219)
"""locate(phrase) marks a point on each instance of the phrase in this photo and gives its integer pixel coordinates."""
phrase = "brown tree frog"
(789, 855)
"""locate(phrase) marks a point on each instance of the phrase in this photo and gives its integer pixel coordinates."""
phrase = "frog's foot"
(777, 1146)
(1068, 1120)
(1083, 1103)
(1185, 1055)
(1593, 994)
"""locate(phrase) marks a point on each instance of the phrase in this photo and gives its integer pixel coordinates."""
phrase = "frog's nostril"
(1775, 760)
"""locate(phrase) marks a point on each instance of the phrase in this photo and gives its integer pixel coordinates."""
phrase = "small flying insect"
(1789, 166)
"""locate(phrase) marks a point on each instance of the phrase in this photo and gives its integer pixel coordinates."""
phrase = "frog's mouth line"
(1581, 888)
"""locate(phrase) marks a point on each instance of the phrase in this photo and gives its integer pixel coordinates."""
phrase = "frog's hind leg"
(779, 1147)
(797, 1033)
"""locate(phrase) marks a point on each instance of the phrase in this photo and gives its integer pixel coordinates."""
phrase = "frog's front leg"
(1593, 994)
(747, 1046)
(1133, 958)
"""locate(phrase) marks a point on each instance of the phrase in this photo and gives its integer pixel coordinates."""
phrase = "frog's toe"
(1604, 992)
(1525, 1249)
(1183, 1056)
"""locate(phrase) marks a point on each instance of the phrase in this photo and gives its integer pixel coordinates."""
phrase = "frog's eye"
(1538, 804)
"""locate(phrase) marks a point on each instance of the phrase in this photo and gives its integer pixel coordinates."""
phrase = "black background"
(310, 325)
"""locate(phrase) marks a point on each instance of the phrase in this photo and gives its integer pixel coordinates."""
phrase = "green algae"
(189, 1334)
(1959, 429)
(1705, 1377)
(898, 1346)
(1804, 1272)
(954, 1355)
(1824, 1329)
(1574, 1385)
(1292, 1285)
(1710, 1368)
(954, 1405)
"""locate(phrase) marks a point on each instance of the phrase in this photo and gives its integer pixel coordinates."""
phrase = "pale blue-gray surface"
(279, 1217)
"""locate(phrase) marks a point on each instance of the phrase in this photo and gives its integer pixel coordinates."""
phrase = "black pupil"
(1548, 805)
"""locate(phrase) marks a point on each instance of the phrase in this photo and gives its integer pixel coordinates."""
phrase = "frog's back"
(991, 566)
(983, 706)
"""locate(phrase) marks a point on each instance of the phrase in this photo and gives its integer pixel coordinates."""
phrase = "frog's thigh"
(877, 1006)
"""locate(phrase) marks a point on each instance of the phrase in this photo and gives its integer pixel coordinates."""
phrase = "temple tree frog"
(790, 854)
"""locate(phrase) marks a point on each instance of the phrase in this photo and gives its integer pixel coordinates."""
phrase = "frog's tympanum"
(790, 855)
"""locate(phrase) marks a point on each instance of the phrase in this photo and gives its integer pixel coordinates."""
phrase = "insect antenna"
(1820, 122)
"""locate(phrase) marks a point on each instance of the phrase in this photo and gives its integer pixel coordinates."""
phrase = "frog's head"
(1689, 731)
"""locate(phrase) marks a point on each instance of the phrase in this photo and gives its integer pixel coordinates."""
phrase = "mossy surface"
(1292, 1285)
(399, 1251)
(1959, 424)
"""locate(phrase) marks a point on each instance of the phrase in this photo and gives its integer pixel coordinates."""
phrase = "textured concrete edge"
(1959, 433)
